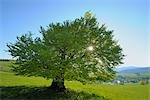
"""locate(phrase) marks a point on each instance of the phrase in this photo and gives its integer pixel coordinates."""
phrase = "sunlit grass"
(115, 92)
(9, 79)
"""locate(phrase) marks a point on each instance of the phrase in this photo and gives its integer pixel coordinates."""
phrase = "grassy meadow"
(36, 88)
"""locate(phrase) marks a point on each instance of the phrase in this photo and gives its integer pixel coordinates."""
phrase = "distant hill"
(126, 68)
(133, 69)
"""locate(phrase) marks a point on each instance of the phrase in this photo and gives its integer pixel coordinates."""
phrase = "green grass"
(9, 79)
(5, 65)
(36, 88)
(43, 93)
(113, 92)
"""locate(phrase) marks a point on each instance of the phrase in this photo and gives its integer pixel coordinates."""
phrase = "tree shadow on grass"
(43, 93)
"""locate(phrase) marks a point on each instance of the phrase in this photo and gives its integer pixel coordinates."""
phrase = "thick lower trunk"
(58, 84)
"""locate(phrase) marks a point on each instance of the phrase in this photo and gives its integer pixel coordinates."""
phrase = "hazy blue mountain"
(125, 68)
(133, 69)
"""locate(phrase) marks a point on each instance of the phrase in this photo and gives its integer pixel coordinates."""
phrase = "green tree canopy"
(81, 50)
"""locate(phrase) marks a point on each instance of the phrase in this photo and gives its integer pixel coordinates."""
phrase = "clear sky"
(128, 19)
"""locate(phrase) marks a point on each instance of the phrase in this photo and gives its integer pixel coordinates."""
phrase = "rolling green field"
(12, 85)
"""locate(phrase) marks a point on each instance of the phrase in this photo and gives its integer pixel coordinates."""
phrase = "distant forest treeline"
(6, 60)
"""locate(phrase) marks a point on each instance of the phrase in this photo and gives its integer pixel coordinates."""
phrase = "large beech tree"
(81, 50)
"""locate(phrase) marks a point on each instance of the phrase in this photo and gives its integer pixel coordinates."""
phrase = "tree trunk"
(58, 84)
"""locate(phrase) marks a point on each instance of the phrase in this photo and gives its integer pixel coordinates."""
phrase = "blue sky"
(128, 19)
